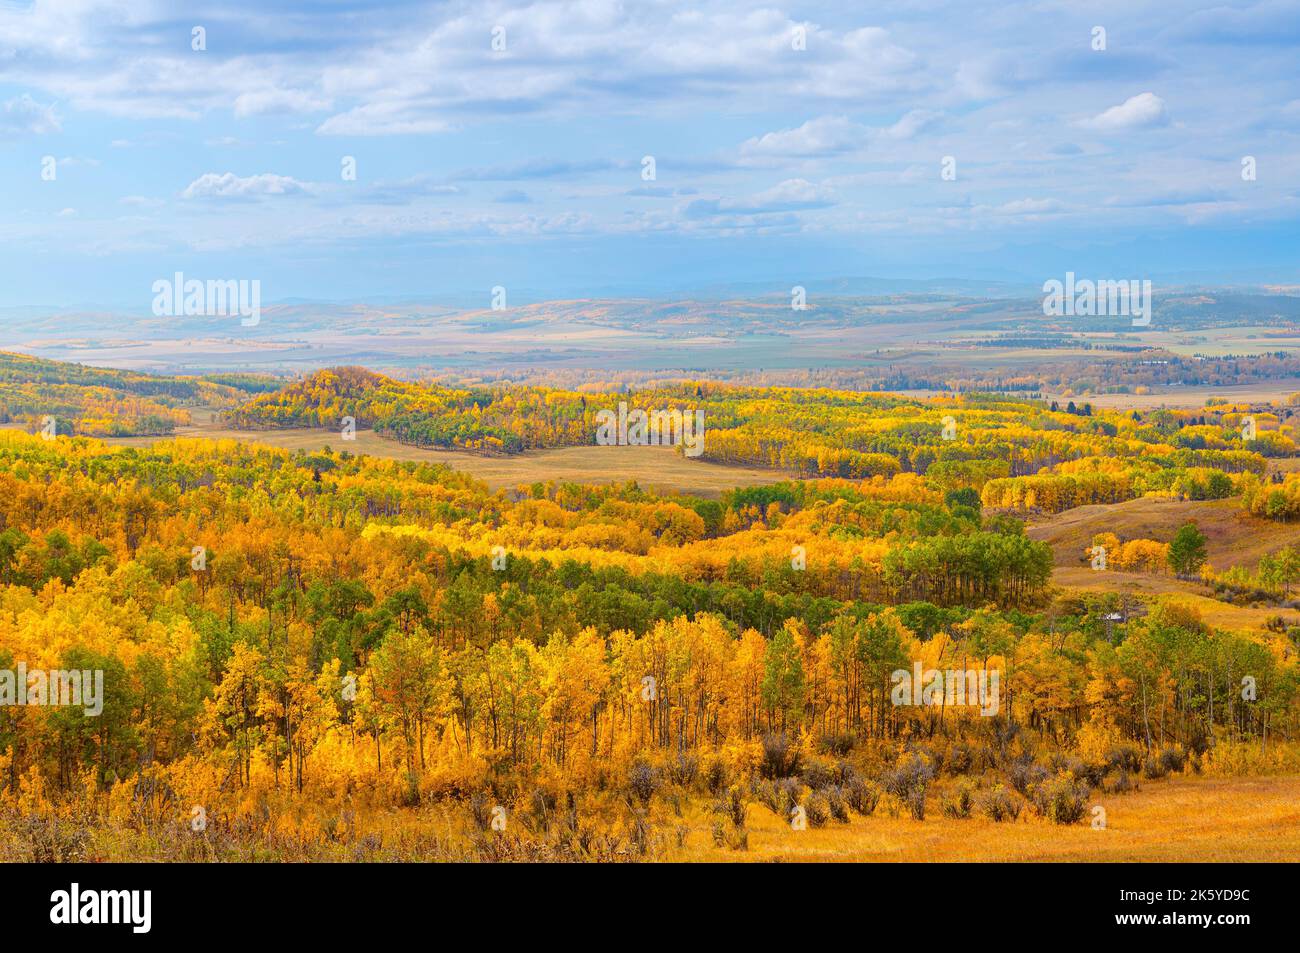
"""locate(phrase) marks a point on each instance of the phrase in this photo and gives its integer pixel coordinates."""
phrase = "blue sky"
(523, 166)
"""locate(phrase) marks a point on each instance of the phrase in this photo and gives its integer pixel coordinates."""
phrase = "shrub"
(817, 774)
(778, 796)
(817, 809)
(1026, 774)
(1061, 799)
(1001, 731)
(643, 780)
(863, 796)
(1000, 804)
(737, 838)
(837, 745)
(1173, 759)
(789, 789)
(959, 801)
(908, 783)
(960, 759)
(845, 774)
(569, 824)
(1121, 783)
(480, 810)
(1125, 757)
(984, 756)
(733, 806)
(638, 832)
(542, 807)
(780, 756)
(767, 795)
(1154, 769)
(47, 839)
(684, 769)
(1090, 773)
(839, 806)
(888, 755)
(715, 776)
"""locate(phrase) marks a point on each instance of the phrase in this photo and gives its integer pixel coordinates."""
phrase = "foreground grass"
(1185, 818)
(1181, 819)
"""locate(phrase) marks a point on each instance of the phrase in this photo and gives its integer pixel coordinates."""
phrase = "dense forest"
(288, 638)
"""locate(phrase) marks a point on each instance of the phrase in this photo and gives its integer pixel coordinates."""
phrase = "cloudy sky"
(508, 144)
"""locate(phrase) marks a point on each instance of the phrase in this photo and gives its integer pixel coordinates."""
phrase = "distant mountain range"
(841, 322)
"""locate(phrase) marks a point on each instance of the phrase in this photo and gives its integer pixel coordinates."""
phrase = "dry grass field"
(1182, 819)
(1233, 537)
(1186, 818)
(660, 468)
(1185, 397)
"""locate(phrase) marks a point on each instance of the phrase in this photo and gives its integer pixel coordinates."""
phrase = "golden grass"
(1233, 537)
(660, 468)
(1182, 819)
(1188, 398)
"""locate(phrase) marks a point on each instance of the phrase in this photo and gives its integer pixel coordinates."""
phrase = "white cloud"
(795, 193)
(380, 119)
(817, 137)
(832, 135)
(270, 101)
(792, 195)
(1138, 112)
(845, 125)
(578, 57)
(1030, 207)
(25, 116)
(912, 124)
(212, 185)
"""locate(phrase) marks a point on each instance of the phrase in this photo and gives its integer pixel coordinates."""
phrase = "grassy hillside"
(103, 402)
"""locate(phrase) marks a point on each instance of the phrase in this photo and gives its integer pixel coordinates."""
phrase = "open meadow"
(1181, 820)
(658, 468)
